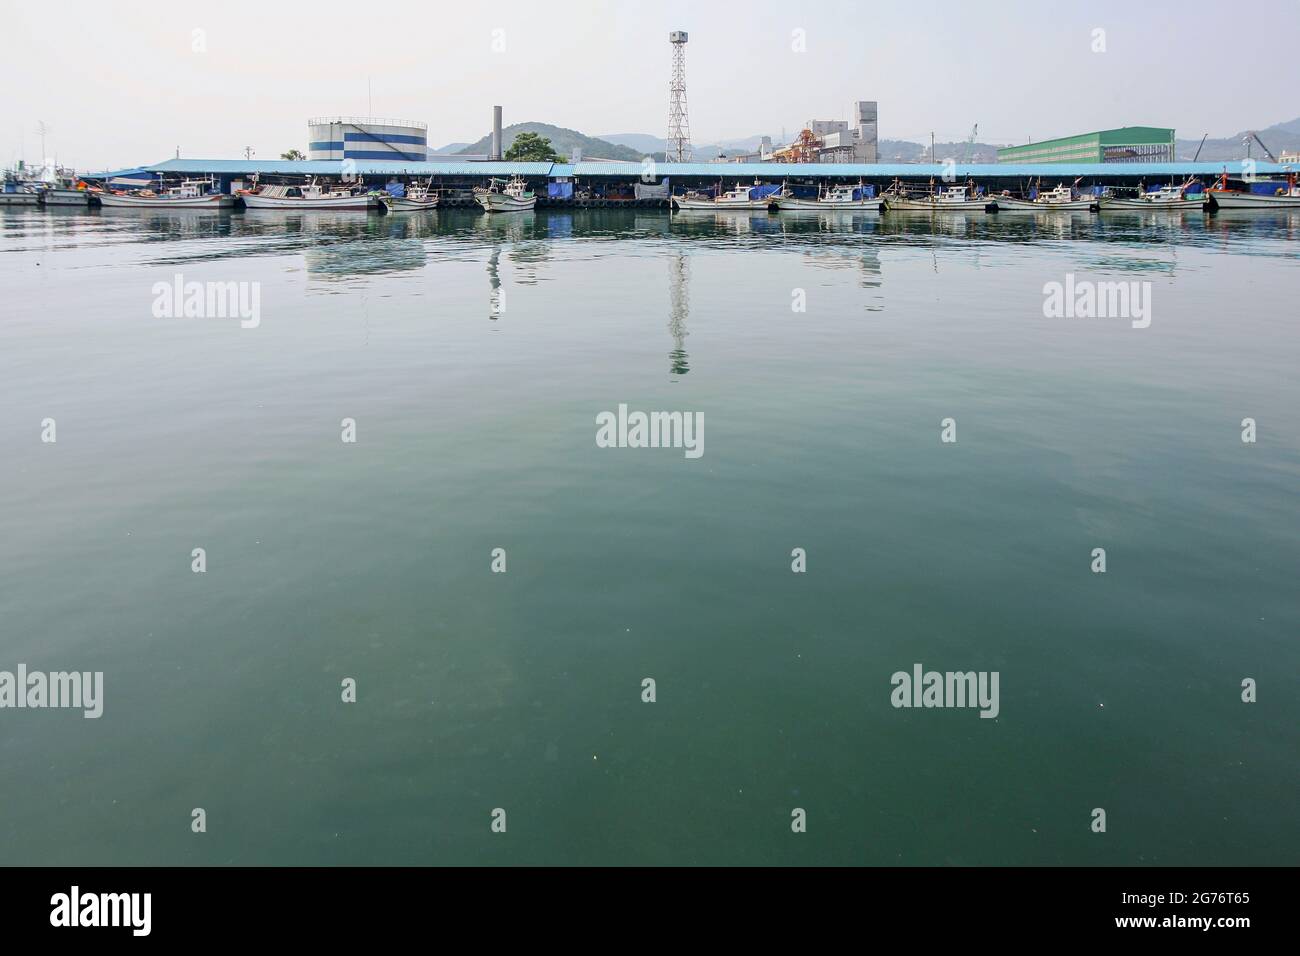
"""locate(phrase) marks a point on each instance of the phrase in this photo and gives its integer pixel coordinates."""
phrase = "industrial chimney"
(496, 133)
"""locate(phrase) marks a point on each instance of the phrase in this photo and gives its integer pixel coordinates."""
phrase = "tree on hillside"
(293, 155)
(532, 148)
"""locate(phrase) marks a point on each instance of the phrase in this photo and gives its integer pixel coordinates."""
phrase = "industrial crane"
(1251, 134)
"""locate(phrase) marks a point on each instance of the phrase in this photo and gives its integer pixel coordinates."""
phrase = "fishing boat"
(502, 196)
(18, 188)
(1061, 199)
(59, 187)
(832, 199)
(1285, 195)
(190, 194)
(948, 199)
(312, 195)
(1165, 198)
(732, 200)
(17, 192)
(417, 198)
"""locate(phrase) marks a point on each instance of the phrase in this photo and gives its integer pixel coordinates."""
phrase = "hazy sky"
(127, 83)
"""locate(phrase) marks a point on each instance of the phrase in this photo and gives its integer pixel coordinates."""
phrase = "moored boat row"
(1185, 197)
(60, 187)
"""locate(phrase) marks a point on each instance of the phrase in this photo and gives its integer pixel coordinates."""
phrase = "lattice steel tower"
(679, 127)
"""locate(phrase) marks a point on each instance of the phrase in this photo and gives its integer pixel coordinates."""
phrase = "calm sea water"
(474, 355)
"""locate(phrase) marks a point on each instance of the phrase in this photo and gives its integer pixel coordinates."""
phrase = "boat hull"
(1183, 205)
(65, 197)
(215, 201)
(336, 203)
(406, 204)
(793, 204)
(501, 202)
(1011, 204)
(1231, 200)
(18, 199)
(924, 205)
(710, 205)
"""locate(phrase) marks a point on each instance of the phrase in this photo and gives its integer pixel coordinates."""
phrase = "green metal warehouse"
(1129, 144)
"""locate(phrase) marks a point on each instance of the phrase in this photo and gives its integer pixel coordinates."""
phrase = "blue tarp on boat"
(1269, 187)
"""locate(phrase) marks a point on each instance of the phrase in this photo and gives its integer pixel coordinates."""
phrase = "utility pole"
(248, 152)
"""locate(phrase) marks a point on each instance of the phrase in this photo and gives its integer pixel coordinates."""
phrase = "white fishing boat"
(732, 200)
(1166, 198)
(1060, 199)
(418, 198)
(502, 196)
(58, 186)
(190, 194)
(948, 199)
(832, 199)
(313, 195)
(1285, 195)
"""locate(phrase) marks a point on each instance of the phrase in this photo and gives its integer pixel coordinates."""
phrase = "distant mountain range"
(564, 141)
(632, 147)
(1279, 138)
(655, 146)
(643, 143)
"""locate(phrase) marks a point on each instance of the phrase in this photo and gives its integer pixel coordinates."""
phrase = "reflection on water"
(340, 244)
(708, 222)
(339, 259)
(679, 298)
(496, 297)
(142, 225)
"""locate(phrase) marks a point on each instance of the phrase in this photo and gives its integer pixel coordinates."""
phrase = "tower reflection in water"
(496, 295)
(679, 307)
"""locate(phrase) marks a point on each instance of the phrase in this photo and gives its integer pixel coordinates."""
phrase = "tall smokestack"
(496, 133)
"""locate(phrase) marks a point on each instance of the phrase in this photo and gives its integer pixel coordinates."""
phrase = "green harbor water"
(823, 353)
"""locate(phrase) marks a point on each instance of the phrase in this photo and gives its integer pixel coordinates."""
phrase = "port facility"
(646, 184)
